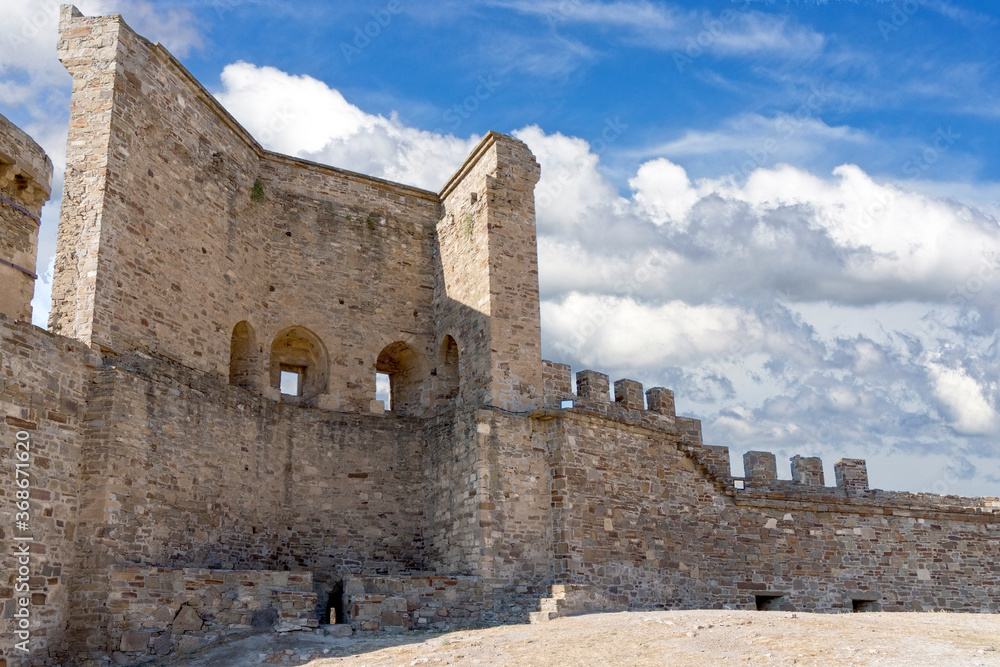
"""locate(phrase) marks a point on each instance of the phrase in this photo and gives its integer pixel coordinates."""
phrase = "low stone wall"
(418, 602)
(156, 611)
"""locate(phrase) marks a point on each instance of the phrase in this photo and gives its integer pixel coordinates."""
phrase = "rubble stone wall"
(159, 611)
(43, 398)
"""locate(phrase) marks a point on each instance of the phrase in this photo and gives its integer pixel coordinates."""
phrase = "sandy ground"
(674, 638)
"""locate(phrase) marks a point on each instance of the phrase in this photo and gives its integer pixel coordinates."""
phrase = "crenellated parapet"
(654, 407)
(760, 472)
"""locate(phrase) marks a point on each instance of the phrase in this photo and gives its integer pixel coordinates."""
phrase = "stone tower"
(25, 184)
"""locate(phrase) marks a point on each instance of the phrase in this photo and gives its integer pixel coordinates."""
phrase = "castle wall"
(43, 394)
(655, 521)
(183, 470)
(351, 260)
(151, 163)
(241, 234)
(25, 183)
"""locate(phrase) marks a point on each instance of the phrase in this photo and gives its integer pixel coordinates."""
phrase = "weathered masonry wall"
(25, 183)
(656, 521)
(351, 260)
(158, 611)
(152, 164)
(183, 470)
(43, 394)
(487, 291)
(241, 234)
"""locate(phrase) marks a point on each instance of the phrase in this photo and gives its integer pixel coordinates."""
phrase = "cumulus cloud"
(29, 31)
(302, 116)
(964, 400)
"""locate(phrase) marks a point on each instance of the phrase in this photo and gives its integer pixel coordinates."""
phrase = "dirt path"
(675, 638)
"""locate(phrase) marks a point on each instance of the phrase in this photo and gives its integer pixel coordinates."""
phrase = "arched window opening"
(244, 356)
(299, 364)
(447, 371)
(407, 371)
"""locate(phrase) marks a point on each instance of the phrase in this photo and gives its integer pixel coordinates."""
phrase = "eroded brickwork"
(177, 494)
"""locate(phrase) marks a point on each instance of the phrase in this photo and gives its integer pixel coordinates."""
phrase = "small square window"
(566, 403)
(291, 381)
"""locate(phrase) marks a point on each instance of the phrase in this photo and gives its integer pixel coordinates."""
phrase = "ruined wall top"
(25, 185)
(290, 265)
(21, 156)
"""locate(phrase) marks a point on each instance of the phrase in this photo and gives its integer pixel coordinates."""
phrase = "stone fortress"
(207, 457)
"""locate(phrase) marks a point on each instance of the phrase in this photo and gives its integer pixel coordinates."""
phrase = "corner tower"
(487, 291)
(25, 185)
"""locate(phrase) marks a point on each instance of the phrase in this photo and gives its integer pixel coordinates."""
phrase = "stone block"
(660, 401)
(134, 642)
(760, 466)
(592, 385)
(851, 473)
(628, 394)
(807, 471)
(187, 620)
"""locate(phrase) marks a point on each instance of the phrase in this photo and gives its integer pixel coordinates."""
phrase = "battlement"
(25, 186)
(593, 394)
(760, 470)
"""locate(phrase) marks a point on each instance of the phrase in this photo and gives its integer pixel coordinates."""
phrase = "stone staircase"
(551, 606)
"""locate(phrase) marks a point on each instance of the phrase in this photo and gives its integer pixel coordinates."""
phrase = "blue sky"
(785, 211)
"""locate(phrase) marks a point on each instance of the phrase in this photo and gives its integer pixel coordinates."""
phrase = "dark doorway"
(768, 602)
(335, 605)
(865, 605)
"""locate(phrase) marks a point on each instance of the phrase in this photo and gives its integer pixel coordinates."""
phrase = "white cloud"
(41, 302)
(618, 332)
(29, 32)
(664, 193)
(964, 400)
(570, 186)
(302, 116)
